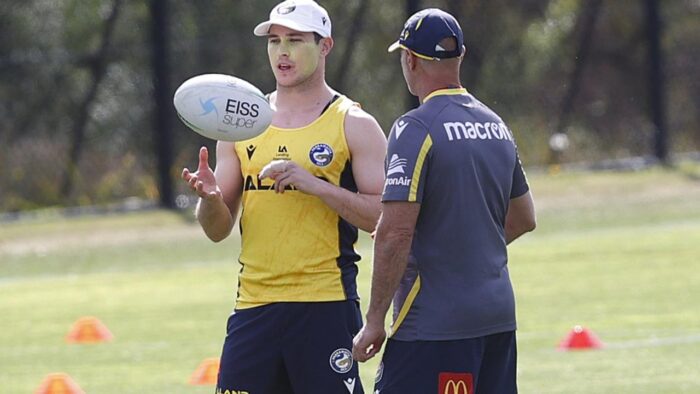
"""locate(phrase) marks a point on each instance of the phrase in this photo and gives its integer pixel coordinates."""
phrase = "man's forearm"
(215, 218)
(361, 210)
(391, 250)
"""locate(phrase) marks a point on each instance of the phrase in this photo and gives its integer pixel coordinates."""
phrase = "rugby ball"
(222, 107)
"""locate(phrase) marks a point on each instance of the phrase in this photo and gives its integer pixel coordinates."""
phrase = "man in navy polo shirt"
(455, 196)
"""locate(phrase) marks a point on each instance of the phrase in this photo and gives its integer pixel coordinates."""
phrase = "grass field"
(616, 252)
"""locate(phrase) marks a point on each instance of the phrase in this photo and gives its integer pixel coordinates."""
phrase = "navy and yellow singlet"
(295, 248)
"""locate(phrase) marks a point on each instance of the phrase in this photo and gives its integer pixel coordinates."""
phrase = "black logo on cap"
(324, 20)
(286, 10)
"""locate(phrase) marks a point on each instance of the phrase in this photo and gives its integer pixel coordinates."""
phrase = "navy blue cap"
(423, 32)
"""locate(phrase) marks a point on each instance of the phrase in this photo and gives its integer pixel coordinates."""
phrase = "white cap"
(299, 15)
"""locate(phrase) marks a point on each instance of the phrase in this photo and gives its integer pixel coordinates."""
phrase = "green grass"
(615, 252)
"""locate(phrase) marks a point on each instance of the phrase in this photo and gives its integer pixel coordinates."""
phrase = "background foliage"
(76, 84)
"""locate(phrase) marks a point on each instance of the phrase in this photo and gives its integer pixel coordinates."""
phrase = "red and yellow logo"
(455, 383)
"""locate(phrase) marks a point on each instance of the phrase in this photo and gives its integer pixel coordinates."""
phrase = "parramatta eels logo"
(321, 155)
(341, 360)
(208, 107)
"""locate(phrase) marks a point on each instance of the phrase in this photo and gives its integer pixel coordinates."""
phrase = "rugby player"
(305, 185)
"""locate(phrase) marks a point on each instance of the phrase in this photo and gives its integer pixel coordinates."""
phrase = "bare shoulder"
(357, 118)
(362, 129)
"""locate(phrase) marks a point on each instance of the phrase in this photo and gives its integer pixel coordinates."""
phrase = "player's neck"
(304, 95)
(428, 86)
(300, 105)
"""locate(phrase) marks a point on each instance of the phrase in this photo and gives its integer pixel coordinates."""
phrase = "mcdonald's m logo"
(455, 383)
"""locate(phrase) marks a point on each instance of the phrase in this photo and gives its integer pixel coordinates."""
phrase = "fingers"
(273, 169)
(199, 188)
(203, 181)
(194, 183)
(356, 352)
(186, 174)
(369, 351)
(362, 352)
(282, 181)
(190, 178)
(287, 173)
(366, 346)
(203, 158)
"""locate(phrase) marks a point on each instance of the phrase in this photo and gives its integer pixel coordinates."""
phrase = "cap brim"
(263, 29)
(394, 46)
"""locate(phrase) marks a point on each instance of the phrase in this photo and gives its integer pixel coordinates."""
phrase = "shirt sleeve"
(407, 161)
(520, 185)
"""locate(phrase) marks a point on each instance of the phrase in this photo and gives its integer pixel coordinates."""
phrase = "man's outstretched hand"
(202, 182)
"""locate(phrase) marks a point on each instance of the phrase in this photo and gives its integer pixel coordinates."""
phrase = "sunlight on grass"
(615, 252)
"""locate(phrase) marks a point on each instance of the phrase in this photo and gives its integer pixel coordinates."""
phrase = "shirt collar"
(445, 92)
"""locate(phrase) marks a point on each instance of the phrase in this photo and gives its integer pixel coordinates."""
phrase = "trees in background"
(77, 89)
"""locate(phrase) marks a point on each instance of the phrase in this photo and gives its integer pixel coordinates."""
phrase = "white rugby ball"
(222, 107)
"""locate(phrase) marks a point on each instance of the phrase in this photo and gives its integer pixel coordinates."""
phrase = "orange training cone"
(88, 330)
(580, 338)
(206, 373)
(58, 383)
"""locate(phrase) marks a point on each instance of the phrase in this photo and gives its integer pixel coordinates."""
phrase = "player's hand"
(288, 173)
(202, 182)
(368, 342)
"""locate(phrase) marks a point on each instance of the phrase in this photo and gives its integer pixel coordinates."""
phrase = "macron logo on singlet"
(477, 131)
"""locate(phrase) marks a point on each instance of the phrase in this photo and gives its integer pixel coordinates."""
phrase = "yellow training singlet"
(293, 246)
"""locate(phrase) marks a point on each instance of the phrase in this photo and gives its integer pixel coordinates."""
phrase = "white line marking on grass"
(652, 342)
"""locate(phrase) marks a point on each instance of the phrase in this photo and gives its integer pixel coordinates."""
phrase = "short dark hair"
(317, 37)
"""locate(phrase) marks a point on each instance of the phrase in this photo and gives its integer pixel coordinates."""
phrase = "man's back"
(454, 197)
(459, 161)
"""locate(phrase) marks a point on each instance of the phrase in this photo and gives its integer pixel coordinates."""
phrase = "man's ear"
(326, 44)
(411, 60)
